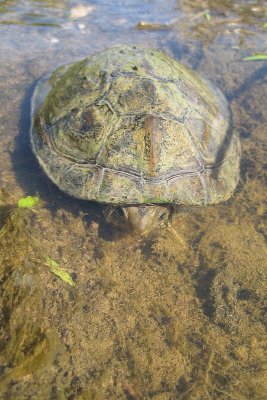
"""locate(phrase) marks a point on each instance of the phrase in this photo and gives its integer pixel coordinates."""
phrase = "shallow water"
(176, 315)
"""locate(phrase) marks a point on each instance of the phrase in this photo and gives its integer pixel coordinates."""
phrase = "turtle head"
(140, 218)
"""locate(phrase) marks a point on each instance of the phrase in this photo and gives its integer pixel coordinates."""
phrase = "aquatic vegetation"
(146, 25)
(28, 202)
(256, 57)
(60, 272)
(207, 15)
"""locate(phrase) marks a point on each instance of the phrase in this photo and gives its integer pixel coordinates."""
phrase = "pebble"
(81, 11)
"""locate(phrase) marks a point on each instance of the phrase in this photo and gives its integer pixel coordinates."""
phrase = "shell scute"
(132, 94)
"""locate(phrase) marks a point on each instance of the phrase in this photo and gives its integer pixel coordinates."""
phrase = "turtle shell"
(129, 125)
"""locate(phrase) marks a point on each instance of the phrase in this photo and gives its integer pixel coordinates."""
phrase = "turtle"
(138, 132)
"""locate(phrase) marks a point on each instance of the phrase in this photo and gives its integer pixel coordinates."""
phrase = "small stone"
(94, 225)
(81, 11)
(81, 27)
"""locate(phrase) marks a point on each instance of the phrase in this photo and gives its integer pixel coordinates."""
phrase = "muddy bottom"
(183, 321)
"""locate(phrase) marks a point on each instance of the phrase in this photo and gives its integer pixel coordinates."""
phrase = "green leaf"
(60, 272)
(264, 25)
(207, 15)
(28, 202)
(256, 57)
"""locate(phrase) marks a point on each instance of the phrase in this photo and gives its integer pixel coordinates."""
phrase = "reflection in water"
(149, 318)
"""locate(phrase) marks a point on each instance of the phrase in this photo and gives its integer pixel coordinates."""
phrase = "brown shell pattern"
(130, 125)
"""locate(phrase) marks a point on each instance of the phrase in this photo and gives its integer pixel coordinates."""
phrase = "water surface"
(176, 315)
